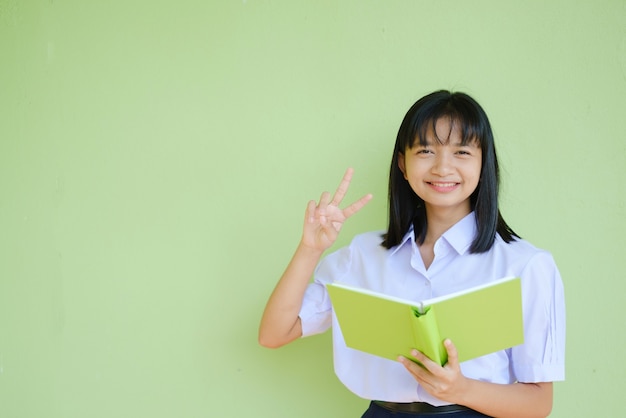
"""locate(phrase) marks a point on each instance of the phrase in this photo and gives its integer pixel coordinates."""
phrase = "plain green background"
(156, 158)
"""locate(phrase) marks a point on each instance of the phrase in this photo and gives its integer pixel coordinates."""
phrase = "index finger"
(425, 362)
(357, 206)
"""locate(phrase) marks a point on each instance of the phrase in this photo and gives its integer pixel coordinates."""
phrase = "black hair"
(406, 208)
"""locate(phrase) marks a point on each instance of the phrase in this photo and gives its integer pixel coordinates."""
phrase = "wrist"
(470, 393)
(309, 251)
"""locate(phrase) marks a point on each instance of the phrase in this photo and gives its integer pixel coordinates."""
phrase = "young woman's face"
(443, 173)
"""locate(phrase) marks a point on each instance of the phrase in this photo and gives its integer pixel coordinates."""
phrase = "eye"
(423, 151)
(465, 151)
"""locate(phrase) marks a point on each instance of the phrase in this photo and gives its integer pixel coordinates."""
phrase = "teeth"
(443, 184)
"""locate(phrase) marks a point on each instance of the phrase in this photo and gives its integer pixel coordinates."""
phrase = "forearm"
(280, 323)
(518, 400)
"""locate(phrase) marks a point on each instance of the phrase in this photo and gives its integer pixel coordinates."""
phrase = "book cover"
(479, 321)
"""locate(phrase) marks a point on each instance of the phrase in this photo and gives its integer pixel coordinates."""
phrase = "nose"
(443, 164)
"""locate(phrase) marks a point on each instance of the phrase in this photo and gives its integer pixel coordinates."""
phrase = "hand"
(443, 382)
(324, 220)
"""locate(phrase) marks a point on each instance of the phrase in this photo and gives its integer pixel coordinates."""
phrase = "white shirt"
(400, 272)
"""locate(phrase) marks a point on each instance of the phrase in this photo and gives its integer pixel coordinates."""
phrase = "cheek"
(477, 169)
(478, 173)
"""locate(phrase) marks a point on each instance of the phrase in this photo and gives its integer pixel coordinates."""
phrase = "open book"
(479, 321)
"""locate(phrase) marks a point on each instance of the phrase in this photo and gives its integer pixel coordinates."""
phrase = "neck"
(439, 221)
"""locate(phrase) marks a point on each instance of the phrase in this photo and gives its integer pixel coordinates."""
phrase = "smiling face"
(442, 170)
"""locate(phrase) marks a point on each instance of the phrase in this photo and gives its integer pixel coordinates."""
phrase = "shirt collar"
(408, 237)
(460, 236)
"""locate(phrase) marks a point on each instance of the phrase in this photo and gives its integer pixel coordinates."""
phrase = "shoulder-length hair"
(406, 208)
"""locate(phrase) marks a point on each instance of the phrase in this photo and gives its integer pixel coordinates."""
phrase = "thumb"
(453, 354)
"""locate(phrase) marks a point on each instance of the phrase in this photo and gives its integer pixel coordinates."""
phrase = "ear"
(401, 164)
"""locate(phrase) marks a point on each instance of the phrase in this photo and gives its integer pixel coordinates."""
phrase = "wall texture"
(156, 159)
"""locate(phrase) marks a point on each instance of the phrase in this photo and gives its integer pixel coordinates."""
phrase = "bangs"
(461, 113)
(469, 133)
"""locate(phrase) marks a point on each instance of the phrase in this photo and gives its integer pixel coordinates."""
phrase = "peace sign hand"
(324, 220)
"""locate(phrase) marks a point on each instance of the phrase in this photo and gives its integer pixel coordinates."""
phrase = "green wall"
(156, 158)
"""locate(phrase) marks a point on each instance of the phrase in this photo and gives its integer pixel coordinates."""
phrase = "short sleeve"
(542, 356)
(316, 311)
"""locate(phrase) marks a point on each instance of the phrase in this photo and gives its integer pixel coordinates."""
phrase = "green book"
(479, 321)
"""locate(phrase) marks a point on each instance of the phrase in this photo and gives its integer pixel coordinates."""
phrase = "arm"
(498, 400)
(280, 323)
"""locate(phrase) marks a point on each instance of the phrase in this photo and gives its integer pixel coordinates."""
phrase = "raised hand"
(324, 219)
(280, 323)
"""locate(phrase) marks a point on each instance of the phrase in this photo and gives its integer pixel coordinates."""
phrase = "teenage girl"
(445, 234)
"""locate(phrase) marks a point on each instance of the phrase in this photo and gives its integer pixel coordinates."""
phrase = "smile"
(443, 185)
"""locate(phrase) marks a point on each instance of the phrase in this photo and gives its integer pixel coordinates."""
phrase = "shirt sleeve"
(316, 311)
(541, 358)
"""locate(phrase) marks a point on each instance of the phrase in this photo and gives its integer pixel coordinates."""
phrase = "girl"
(445, 234)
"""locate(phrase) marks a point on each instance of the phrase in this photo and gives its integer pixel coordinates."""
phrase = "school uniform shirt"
(400, 272)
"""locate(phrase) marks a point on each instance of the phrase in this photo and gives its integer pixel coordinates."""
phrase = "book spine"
(426, 335)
